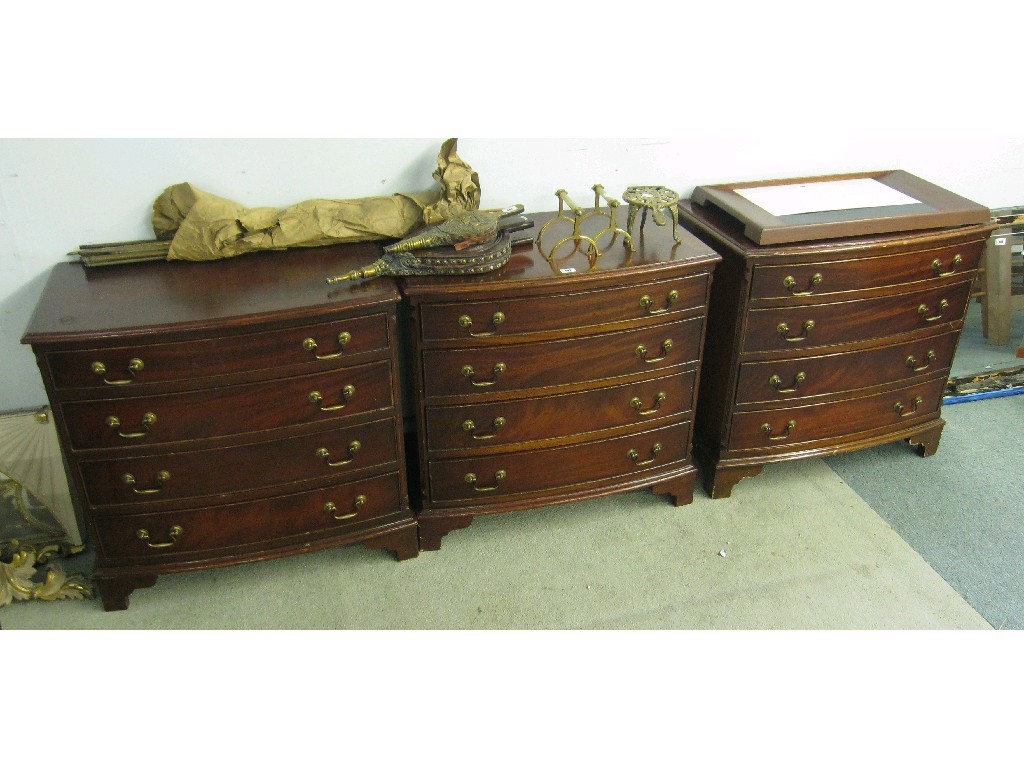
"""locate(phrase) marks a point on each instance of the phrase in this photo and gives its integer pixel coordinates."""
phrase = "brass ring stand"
(576, 220)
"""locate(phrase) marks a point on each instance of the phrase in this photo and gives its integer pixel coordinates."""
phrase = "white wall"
(58, 193)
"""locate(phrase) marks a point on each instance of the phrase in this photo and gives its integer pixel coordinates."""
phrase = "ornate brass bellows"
(466, 244)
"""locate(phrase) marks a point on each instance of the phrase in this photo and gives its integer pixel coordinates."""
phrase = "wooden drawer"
(816, 325)
(782, 428)
(120, 367)
(776, 380)
(158, 419)
(516, 316)
(174, 534)
(828, 277)
(486, 425)
(174, 476)
(555, 363)
(482, 479)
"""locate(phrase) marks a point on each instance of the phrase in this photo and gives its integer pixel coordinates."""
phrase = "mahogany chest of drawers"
(826, 346)
(554, 380)
(224, 412)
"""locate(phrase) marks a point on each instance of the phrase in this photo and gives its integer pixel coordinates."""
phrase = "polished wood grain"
(231, 528)
(826, 278)
(177, 299)
(492, 425)
(518, 316)
(264, 405)
(197, 474)
(806, 424)
(224, 411)
(556, 380)
(811, 376)
(825, 346)
(485, 477)
(538, 365)
(818, 325)
(257, 355)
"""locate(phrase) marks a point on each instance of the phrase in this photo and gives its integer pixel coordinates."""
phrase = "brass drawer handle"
(783, 329)
(953, 266)
(346, 394)
(332, 509)
(343, 339)
(775, 382)
(468, 372)
(635, 457)
(161, 477)
(923, 311)
(148, 420)
(470, 426)
(471, 479)
(134, 366)
(767, 429)
(173, 534)
(789, 283)
(353, 448)
(496, 319)
(929, 359)
(647, 302)
(636, 404)
(641, 352)
(898, 407)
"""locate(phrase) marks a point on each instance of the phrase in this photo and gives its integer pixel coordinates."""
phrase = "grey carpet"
(963, 508)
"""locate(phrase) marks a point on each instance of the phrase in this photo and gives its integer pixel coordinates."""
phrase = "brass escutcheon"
(767, 429)
(471, 479)
(353, 448)
(923, 311)
(898, 407)
(346, 394)
(929, 359)
(468, 372)
(134, 366)
(470, 426)
(789, 283)
(641, 352)
(647, 302)
(173, 534)
(634, 456)
(161, 477)
(783, 329)
(310, 345)
(496, 319)
(637, 404)
(148, 420)
(953, 265)
(358, 503)
(775, 382)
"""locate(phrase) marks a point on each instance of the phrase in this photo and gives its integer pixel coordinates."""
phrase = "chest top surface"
(550, 266)
(181, 297)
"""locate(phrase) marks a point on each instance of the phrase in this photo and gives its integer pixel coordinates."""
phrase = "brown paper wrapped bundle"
(193, 225)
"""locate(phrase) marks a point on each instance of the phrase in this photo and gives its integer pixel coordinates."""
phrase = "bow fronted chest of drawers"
(557, 379)
(225, 412)
(826, 346)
